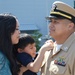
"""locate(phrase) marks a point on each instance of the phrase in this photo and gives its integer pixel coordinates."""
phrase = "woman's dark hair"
(7, 27)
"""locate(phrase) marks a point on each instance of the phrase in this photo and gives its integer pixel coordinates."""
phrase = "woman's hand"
(22, 70)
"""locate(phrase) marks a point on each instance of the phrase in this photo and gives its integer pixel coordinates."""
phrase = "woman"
(9, 35)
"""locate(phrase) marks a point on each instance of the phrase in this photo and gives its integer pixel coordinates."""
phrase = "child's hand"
(49, 44)
(49, 41)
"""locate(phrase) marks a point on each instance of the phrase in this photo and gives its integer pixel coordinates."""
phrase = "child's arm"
(35, 66)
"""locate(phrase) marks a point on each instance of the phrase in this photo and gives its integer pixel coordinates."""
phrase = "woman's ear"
(20, 50)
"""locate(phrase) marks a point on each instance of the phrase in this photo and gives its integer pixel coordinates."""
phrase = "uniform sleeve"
(71, 65)
(24, 59)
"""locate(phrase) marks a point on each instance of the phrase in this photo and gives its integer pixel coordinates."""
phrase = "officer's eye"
(55, 21)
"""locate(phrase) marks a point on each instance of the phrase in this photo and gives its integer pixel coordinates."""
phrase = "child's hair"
(23, 42)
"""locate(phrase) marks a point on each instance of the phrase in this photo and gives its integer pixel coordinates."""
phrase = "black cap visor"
(54, 17)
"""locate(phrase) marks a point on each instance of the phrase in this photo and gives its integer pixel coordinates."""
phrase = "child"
(26, 51)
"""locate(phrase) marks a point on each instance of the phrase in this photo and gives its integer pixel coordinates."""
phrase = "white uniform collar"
(58, 46)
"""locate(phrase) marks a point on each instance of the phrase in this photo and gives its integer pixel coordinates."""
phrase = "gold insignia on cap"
(59, 13)
(54, 6)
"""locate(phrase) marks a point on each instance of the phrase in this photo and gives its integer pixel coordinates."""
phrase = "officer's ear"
(71, 26)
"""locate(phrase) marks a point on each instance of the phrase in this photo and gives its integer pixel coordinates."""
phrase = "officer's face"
(59, 28)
